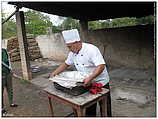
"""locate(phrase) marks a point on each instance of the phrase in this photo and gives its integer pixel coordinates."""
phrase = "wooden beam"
(23, 45)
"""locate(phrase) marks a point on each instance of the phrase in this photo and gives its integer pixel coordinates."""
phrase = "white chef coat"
(86, 61)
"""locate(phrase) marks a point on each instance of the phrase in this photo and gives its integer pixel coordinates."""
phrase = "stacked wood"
(14, 52)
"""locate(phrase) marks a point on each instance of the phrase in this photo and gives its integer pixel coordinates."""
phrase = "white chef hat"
(70, 36)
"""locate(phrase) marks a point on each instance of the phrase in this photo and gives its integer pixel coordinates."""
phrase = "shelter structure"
(83, 11)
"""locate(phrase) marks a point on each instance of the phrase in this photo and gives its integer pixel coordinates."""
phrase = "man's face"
(73, 47)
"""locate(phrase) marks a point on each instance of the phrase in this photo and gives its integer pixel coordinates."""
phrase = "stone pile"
(14, 52)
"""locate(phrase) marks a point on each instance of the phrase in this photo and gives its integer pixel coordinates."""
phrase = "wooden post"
(23, 45)
(84, 30)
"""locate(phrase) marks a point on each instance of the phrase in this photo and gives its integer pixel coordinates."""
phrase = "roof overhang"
(91, 11)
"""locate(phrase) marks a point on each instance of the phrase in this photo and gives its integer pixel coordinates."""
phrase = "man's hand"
(87, 81)
(52, 75)
(98, 70)
(15, 75)
(60, 69)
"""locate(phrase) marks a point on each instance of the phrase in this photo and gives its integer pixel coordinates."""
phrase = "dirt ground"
(133, 93)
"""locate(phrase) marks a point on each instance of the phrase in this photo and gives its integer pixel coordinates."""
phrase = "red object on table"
(96, 88)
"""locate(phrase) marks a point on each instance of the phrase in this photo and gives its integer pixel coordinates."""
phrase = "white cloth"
(86, 61)
(69, 79)
(71, 36)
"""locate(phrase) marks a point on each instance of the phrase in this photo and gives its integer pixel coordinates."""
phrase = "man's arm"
(60, 69)
(98, 70)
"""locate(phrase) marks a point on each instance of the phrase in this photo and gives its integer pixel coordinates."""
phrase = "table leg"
(103, 106)
(80, 112)
(50, 106)
(75, 112)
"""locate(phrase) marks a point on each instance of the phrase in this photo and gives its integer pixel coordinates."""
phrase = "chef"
(86, 58)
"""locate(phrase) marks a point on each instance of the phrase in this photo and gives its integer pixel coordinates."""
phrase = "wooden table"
(78, 103)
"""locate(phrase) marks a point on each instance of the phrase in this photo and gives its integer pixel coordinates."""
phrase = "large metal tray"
(75, 91)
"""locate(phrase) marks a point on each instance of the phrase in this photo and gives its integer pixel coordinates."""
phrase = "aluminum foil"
(69, 79)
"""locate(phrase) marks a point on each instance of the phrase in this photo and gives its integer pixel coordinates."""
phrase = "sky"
(9, 9)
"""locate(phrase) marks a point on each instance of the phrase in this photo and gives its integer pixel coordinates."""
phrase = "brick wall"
(13, 48)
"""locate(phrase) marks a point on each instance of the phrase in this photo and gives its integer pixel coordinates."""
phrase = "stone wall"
(52, 46)
(13, 49)
(132, 47)
(129, 46)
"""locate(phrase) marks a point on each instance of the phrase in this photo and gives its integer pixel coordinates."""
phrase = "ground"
(133, 92)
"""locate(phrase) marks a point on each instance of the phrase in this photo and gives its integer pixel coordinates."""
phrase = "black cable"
(17, 9)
